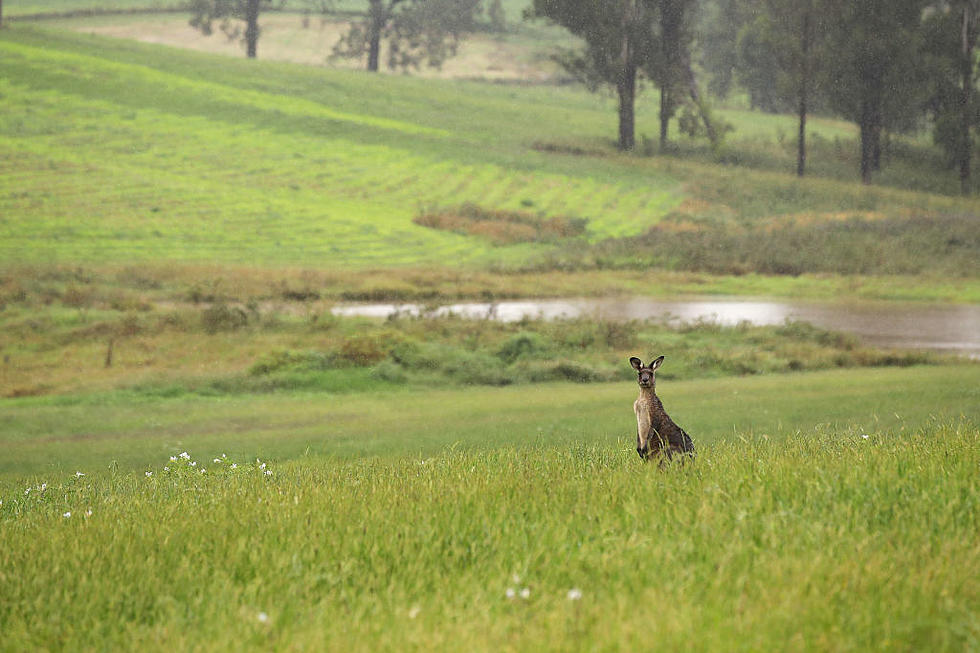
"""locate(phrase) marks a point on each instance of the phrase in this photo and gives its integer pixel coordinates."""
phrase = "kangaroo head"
(646, 374)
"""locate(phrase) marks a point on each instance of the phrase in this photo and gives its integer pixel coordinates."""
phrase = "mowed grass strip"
(149, 160)
(44, 437)
(831, 538)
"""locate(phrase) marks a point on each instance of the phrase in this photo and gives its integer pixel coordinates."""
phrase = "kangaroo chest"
(650, 411)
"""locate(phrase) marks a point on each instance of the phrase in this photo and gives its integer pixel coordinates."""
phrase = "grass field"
(198, 455)
(129, 153)
(824, 511)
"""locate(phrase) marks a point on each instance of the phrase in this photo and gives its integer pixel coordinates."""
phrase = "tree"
(877, 75)
(497, 16)
(778, 52)
(618, 38)
(230, 13)
(669, 63)
(415, 31)
(625, 38)
(719, 23)
(953, 30)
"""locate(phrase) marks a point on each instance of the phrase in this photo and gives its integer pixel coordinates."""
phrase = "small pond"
(952, 328)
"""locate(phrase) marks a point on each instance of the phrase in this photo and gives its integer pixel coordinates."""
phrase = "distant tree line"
(886, 65)
(889, 66)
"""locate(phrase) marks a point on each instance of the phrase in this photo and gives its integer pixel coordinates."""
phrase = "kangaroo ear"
(636, 363)
(656, 363)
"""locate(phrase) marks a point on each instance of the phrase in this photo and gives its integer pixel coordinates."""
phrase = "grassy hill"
(198, 455)
(118, 153)
(115, 151)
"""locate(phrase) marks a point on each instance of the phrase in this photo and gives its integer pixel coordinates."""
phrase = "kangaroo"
(656, 434)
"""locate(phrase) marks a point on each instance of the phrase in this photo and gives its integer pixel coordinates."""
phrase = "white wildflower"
(88, 513)
(204, 471)
(173, 459)
(234, 465)
(185, 456)
(263, 617)
(510, 593)
(67, 514)
(148, 474)
(525, 593)
(217, 460)
(865, 436)
(193, 463)
(79, 474)
(27, 491)
(516, 579)
(268, 472)
(262, 466)
(44, 486)
(166, 469)
(414, 612)
(574, 594)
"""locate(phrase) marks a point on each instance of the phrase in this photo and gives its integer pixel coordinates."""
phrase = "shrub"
(363, 350)
(279, 361)
(523, 345)
(221, 317)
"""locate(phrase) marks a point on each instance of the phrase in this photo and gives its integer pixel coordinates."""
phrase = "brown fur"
(657, 436)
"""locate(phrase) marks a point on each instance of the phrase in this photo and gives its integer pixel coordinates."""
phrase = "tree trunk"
(692, 88)
(673, 61)
(375, 25)
(626, 84)
(251, 28)
(627, 99)
(966, 92)
(876, 145)
(867, 144)
(804, 84)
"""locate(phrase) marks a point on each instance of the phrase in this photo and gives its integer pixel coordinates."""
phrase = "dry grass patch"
(503, 227)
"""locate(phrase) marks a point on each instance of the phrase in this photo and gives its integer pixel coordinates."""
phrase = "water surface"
(952, 328)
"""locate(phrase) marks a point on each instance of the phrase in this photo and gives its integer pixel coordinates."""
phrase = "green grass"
(58, 435)
(145, 192)
(792, 529)
(320, 182)
(121, 152)
(35, 8)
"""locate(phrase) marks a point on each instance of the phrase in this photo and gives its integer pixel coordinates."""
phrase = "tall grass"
(842, 244)
(829, 539)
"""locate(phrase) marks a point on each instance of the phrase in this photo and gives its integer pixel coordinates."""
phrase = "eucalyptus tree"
(780, 54)
(619, 39)
(953, 32)
(230, 14)
(876, 73)
(624, 39)
(669, 61)
(415, 31)
(719, 23)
